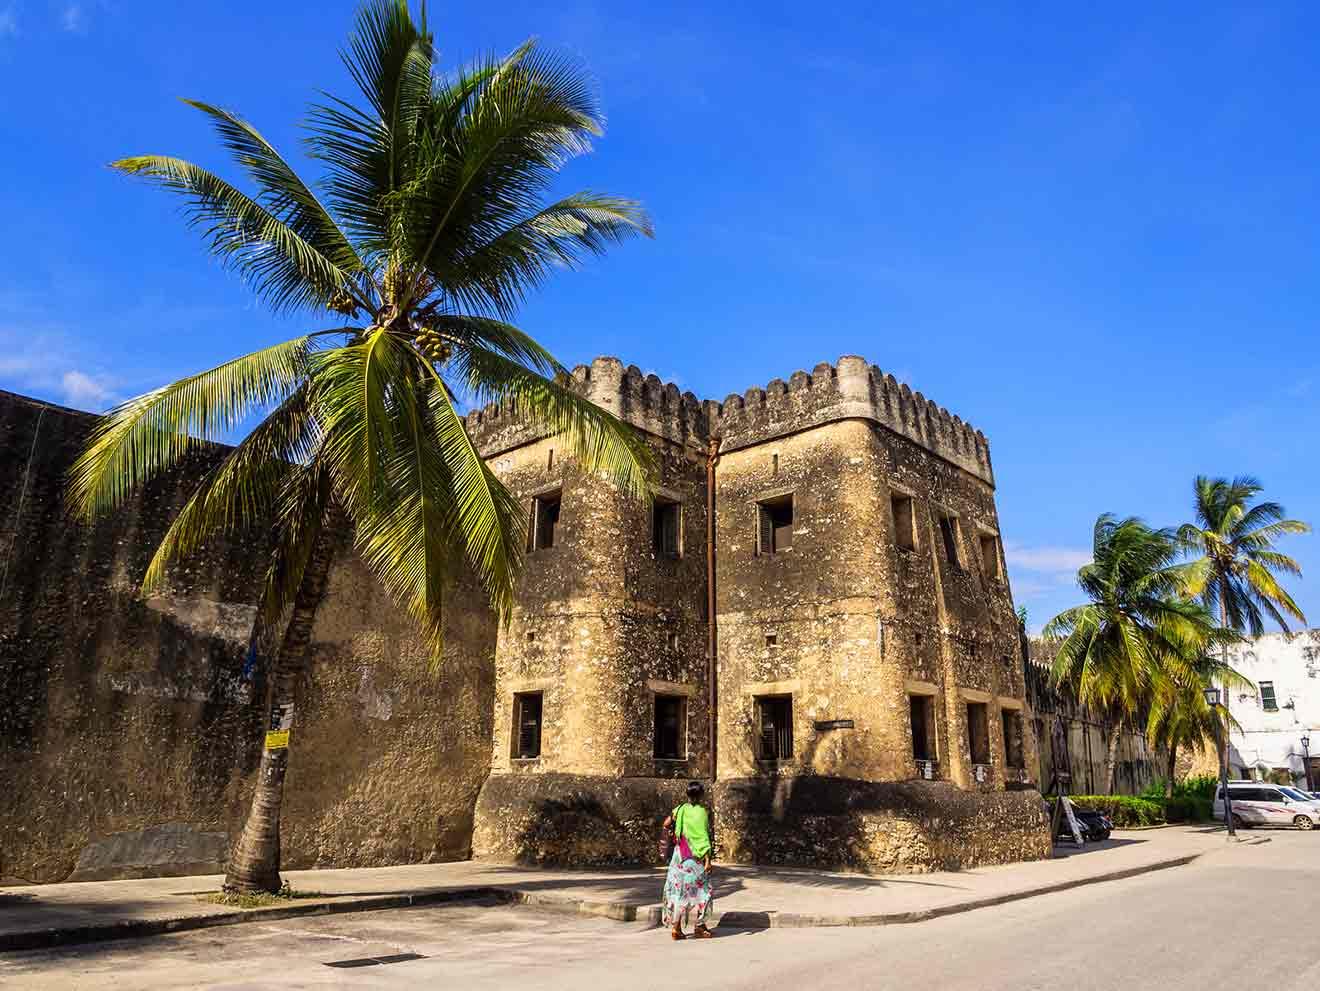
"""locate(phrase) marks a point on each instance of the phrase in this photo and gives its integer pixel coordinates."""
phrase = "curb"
(40, 939)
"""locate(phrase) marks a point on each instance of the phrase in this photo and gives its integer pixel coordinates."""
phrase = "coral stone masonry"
(868, 693)
(869, 688)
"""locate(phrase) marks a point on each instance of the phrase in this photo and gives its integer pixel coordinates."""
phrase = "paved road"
(1242, 918)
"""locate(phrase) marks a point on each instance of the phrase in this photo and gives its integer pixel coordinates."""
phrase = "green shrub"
(1187, 808)
(1124, 811)
(1200, 786)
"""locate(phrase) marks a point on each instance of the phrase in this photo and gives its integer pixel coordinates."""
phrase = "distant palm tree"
(1235, 563)
(424, 234)
(1113, 649)
(1236, 566)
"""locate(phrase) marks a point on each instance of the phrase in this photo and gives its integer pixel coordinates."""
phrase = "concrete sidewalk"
(746, 897)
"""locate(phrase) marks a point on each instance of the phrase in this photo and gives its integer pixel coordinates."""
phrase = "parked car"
(1256, 803)
(1094, 825)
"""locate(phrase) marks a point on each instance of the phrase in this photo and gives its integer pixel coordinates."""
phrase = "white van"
(1257, 803)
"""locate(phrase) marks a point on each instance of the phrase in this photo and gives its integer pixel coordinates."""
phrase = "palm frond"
(288, 198)
(280, 266)
(602, 443)
(497, 275)
(482, 333)
(152, 432)
(241, 495)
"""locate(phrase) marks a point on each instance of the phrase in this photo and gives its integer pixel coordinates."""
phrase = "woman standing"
(687, 884)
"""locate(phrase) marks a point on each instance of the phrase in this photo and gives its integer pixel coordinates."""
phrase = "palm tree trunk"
(1111, 756)
(1173, 761)
(254, 864)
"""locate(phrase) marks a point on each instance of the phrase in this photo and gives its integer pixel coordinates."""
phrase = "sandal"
(701, 932)
(676, 933)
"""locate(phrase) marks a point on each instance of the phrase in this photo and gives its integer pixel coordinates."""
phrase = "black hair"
(695, 790)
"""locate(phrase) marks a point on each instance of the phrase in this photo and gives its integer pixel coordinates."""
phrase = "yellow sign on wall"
(277, 739)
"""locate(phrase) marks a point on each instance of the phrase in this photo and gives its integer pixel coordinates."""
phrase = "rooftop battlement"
(850, 389)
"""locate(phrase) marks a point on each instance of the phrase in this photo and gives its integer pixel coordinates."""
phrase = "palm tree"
(1179, 717)
(1235, 574)
(424, 233)
(1235, 563)
(1112, 649)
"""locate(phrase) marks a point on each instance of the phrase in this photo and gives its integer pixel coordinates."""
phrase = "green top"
(693, 822)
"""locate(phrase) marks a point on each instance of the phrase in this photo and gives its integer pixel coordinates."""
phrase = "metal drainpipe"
(712, 691)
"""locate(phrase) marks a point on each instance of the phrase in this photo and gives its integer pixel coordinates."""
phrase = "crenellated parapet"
(850, 389)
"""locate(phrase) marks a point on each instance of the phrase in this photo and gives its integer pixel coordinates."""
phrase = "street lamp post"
(1306, 760)
(1221, 735)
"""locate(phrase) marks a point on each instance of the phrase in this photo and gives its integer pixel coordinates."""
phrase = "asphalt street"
(1241, 918)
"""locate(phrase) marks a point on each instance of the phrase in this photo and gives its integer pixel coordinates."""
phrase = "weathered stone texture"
(130, 726)
(877, 827)
(844, 621)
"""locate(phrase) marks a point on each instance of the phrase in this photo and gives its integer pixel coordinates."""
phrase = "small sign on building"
(825, 724)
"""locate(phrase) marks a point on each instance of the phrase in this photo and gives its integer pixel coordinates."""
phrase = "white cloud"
(84, 391)
(73, 18)
(1046, 559)
(8, 22)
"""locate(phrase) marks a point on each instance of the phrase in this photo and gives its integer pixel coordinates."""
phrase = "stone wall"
(1086, 735)
(130, 728)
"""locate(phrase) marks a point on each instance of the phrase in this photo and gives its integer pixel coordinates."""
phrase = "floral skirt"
(687, 890)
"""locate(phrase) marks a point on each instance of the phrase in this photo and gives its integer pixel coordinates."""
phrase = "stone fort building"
(867, 693)
(866, 710)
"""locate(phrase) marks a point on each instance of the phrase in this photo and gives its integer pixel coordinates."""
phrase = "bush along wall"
(1124, 811)
(1127, 811)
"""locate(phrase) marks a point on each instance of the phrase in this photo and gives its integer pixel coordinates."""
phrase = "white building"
(1284, 707)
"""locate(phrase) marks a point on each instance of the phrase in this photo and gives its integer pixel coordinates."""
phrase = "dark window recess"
(774, 717)
(904, 533)
(1012, 720)
(665, 518)
(669, 720)
(527, 725)
(949, 537)
(671, 638)
(772, 639)
(1268, 701)
(921, 709)
(978, 732)
(545, 520)
(774, 525)
(990, 556)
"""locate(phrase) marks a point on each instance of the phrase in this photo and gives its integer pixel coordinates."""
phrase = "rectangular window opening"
(772, 639)
(921, 712)
(774, 525)
(666, 518)
(670, 721)
(904, 533)
(1012, 721)
(671, 638)
(949, 538)
(1268, 701)
(545, 520)
(550, 460)
(774, 721)
(527, 725)
(978, 732)
(990, 556)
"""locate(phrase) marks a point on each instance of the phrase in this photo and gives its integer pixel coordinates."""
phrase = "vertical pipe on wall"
(712, 690)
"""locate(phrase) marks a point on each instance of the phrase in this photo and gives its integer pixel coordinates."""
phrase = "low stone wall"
(893, 827)
(572, 819)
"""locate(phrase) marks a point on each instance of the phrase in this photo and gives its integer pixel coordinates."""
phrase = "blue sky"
(1092, 235)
